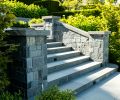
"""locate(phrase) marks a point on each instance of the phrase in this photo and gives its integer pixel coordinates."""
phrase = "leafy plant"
(6, 19)
(108, 19)
(53, 93)
(90, 23)
(9, 96)
(35, 21)
(22, 10)
(21, 24)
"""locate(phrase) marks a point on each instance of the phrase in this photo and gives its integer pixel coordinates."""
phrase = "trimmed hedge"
(22, 10)
(52, 6)
(28, 1)
(87, 12)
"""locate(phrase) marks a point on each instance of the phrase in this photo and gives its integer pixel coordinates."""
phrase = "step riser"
(49, 40)
(66, 79)
(66, 65)
(58, 50)
(54, 45)
(63, 57)
(88, 85)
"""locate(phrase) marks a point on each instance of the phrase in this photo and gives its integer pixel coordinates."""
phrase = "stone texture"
(92, 43)
(30, 66)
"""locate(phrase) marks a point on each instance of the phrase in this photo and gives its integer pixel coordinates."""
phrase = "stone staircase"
(69, 69)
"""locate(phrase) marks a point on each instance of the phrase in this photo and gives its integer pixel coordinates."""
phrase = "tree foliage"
(6, 19)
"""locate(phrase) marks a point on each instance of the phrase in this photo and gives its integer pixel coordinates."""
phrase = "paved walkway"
(108, 89)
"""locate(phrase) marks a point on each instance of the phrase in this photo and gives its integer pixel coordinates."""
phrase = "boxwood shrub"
(22, 10)
(85, 12)
(52, 6)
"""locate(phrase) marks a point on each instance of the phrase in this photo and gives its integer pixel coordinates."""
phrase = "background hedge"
(29, 11)
(52, 6)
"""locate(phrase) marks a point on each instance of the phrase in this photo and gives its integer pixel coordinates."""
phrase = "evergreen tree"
(6, 19)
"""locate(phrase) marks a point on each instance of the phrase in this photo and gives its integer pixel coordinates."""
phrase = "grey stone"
(38, 62)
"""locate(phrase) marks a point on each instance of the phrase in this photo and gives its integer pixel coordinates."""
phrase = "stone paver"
(109, 89)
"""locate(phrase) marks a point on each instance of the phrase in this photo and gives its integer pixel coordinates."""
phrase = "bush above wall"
(22, 10)
(85, 12)
(52, 6)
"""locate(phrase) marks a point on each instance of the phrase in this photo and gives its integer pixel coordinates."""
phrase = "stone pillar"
(29, 69)
(99, 46)
(49, 24)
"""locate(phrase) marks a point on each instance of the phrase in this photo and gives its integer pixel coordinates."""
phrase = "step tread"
(69, 71)
(54, 48)
(81, 81)
(49, 40)
(50, 43)
(66, 61)
(61, 54)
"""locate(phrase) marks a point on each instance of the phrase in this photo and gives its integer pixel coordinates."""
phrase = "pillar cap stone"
(99, 32)
(51, 17)
(27, 32)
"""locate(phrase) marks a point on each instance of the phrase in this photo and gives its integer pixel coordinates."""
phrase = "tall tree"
(5, 21)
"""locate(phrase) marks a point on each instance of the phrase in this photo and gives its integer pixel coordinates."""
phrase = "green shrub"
(90, 23)
(111, 14)
(22, 10)
(88, 6)
(87, 12)
(52, 6)
(54, 93)
(90, 12)
(35, 21)
(6, 20)
(28, 1)
(107, 20)
(20, 24)
(9, 96)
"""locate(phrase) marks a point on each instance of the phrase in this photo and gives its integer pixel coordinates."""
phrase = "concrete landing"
(108, 89)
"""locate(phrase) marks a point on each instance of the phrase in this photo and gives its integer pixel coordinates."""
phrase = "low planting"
(9, 96)
(35, 21)
(53, 93)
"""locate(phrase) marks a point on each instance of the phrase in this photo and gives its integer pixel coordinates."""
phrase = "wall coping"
(74, 29)
(23, 19)
(27, 32)
(98, 32)
(50, 17)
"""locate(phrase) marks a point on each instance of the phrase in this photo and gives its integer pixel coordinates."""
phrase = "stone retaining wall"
(93, 43)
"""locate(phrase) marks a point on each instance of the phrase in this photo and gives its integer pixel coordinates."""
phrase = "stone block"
(35, 53)
(35, 75)
(39, 40)
(38, 47)
(30, 41)
(29, 62)
(38, 62)
(32, 92)
(29, 77)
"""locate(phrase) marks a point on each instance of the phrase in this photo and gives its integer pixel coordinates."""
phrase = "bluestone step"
(62, 56)
(58, 49)
(49, 40)
(82, 83)
(54, 44)
(66, 75)
(60, 65)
